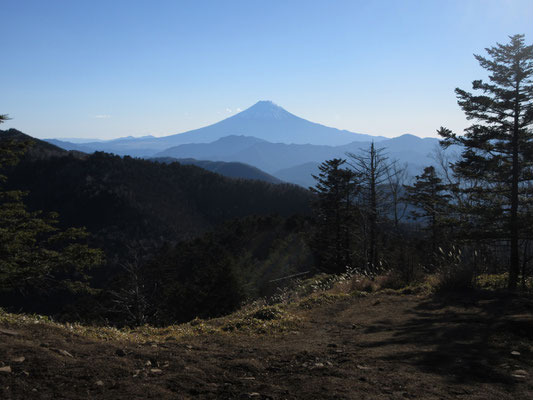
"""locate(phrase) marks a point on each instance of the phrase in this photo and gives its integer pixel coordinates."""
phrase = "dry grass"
(260, 317)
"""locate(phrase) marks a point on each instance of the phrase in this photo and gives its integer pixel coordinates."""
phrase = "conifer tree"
(431, 199)
(35, 255)
(497, 150)
(334, 210)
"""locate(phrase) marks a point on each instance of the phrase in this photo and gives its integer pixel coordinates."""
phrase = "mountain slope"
(229, 169)
(300, 174)
(264, 120)
(122, 200)
(38, 149)
(274, 157)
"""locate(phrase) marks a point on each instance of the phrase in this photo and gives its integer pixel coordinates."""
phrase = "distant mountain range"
(296, 162)
(264, 120)
(267, 137)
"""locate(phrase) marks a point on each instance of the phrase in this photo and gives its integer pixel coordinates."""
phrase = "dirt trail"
(378, 347)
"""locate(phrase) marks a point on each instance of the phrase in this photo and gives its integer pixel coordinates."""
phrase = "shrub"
(456, 272)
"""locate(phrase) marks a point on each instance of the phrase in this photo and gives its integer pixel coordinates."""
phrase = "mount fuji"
(264, 120)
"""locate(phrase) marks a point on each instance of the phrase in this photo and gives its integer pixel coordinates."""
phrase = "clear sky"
(106, 69)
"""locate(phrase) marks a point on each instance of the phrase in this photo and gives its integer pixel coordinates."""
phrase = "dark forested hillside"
(124, 199)
(138, 211)
(37, 149)
(230, 169)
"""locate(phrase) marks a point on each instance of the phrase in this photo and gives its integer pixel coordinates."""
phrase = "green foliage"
(496, 165)
(333, 241)
(194, 279)
(211, 275)
(492, 281)
(126, 200)
(36, 257)
(432, 201)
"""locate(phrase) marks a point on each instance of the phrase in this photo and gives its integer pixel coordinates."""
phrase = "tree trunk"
(514, 262)
(373, 210)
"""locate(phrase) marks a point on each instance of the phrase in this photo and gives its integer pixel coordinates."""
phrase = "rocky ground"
(382, 346)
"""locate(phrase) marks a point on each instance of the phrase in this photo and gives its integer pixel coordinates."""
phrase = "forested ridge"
(141, 210)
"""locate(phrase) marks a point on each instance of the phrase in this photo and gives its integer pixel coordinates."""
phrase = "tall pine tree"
(497, 157)
(333, 240)
(431, 199)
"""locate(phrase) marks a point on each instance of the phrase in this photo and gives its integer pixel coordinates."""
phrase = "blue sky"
(106, 69)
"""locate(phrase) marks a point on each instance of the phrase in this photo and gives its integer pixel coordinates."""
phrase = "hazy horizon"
(107, 70)
(86, 139)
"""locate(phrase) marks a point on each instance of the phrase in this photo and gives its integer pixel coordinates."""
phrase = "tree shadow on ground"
(465, 337)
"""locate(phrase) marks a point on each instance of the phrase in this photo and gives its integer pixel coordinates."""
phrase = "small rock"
(189, 347)
(9, 332)
(63, 353)
(148, 363)
(120, 353)
(319, 365)
(515, 353)
(354, 326)
(156, 371)
(520, 372)
(6, 369)
(254, 394)
(361, 367)
(18, 359)
(26, 373)
(99, 383)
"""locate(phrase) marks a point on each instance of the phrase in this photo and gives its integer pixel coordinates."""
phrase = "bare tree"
(132, 300)
(373, 169)
(397, 178)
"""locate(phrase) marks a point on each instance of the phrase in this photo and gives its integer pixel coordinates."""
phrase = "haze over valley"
(267, 137)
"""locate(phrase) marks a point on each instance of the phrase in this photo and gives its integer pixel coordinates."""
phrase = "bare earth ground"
(377, 347)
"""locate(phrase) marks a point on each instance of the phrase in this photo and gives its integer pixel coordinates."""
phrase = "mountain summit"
(265, 109)
(264, 120)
